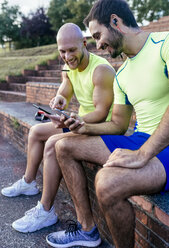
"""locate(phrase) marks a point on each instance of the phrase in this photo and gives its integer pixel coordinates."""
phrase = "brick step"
(49, 73)
(54, 67)
(17, 87)
(43, 79)
(12, 96)
(48, 67)
(16, 79)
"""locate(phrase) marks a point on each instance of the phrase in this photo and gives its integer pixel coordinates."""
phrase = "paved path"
(12, 167)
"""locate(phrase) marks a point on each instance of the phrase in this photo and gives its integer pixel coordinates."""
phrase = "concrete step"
(49, 73)
(17, 87)
(43, 79)
(12, 96)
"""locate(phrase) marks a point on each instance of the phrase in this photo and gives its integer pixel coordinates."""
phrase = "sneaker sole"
(34, 230)
(27, 193)
(76, 243)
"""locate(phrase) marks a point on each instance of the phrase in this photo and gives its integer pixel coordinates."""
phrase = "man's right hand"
(58, 102)
(75, 123)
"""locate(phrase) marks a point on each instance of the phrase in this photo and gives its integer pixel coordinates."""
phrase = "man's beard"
(115, 42)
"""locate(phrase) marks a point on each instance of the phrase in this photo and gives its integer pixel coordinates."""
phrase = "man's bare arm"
(118, 125)
(103, 78)
(64, 93)
(159, 139)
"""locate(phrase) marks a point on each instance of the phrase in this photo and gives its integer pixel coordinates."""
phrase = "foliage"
(35, 30)
(9, 26)
(63, 11)
(58, 13)
(149, 9)
(79, 10)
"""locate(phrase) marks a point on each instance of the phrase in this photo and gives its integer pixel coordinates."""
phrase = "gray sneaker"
(74, 236)
(20, 188)
(35, 219)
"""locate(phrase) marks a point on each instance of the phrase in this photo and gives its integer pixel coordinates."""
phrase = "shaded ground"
(12, 167)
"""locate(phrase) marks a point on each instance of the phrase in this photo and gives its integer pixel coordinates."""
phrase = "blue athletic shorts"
(134, 142)
(65, 130)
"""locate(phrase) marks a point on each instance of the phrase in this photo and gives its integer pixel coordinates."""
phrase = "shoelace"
(33, 211)
(72, 228)
(17, 184)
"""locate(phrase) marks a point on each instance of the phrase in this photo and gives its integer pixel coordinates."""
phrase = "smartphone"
(58, 111)
(44, 110)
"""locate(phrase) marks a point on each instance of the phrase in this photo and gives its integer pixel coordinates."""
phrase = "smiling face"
(106, 38)
(71, 51)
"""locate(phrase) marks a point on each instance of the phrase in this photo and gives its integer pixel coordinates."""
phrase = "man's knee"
(108, 186)
(63, 148)
(51, 143)
(34, 132)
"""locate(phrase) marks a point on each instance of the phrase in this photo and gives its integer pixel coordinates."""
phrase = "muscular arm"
(118, 125)
(159, 139)
(65, 89)
(103, 78)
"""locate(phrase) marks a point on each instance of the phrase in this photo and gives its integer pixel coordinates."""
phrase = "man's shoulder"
(97, 58)
(159, 36)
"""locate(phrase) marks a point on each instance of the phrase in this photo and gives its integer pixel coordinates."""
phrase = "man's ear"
(114, 20)
(85, 42)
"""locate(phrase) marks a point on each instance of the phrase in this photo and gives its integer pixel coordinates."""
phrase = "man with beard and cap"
(90, 78)
(133, 165)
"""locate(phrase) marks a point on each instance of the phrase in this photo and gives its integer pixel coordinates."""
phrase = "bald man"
(90, 78)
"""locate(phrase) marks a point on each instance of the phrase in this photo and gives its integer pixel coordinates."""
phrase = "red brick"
(162, 216)
(146, 205)
(141, 229)
(158, 228)
(141, 215)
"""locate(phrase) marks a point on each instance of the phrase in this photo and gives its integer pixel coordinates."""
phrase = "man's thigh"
(128, 182)
(88, 148)
(43, 131)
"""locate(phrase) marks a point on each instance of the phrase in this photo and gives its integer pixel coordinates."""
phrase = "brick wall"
(158, 26)
(15, 130)
(42, 93)
(152, 224)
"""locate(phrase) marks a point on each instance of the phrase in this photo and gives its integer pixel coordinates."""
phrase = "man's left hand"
(127, 159)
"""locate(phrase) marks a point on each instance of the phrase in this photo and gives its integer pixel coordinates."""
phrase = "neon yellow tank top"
(83, 85)
(143, 82)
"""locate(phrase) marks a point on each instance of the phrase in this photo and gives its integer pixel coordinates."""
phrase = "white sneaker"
(35, 219)
(20, 188)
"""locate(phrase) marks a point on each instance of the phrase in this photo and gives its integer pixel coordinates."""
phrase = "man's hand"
(56, 120)
(127, 159)
(74, 123)
(58, 102)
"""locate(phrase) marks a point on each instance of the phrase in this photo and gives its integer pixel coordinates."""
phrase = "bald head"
(70, 31)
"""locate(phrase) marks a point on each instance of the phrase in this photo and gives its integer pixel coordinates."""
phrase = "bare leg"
(70, 152)
(37, 136)
(114, 185)
(51, 171)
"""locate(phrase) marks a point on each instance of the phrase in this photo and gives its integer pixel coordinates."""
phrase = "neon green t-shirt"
(142, 81)
(83, 85)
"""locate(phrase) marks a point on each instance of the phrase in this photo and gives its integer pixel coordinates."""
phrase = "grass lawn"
(14, 61)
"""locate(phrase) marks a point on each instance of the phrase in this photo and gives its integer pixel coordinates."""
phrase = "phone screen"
(59, 112)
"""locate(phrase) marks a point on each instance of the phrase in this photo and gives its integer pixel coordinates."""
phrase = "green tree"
(58, 13)
(63, 11)
(9, 24)
(79, 10)
(149, 9)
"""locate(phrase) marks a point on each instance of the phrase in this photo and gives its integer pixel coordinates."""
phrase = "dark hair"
(103, 9)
